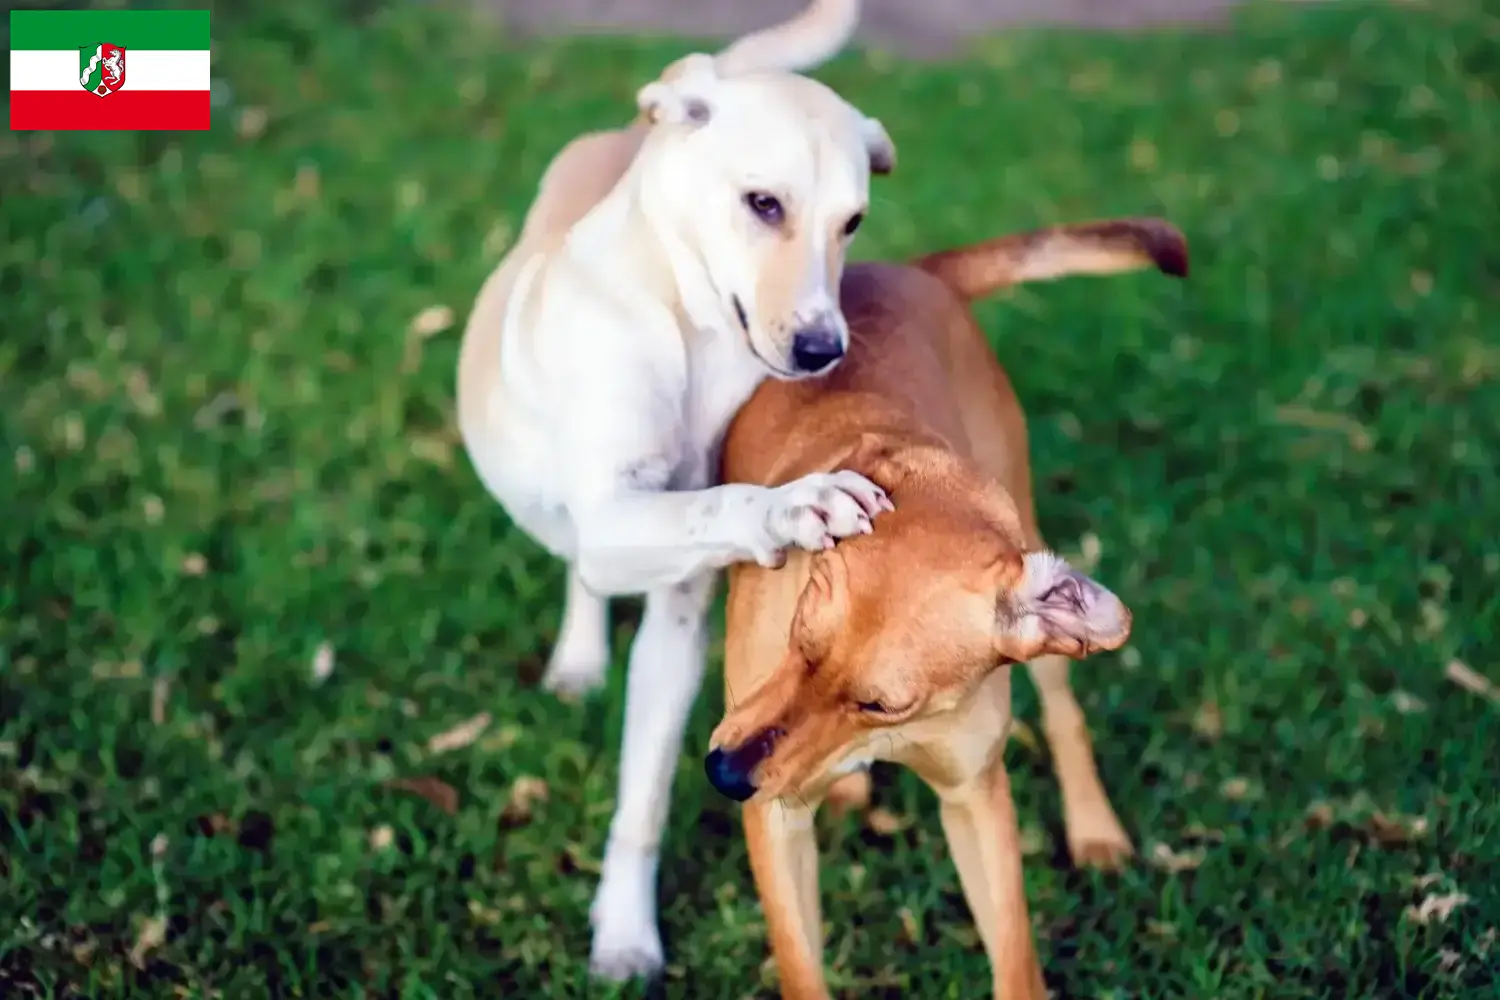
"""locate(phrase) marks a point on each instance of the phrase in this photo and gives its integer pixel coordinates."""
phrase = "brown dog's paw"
(1107, 853)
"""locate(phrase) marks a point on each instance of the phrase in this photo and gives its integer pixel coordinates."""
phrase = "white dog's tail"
(812, 37)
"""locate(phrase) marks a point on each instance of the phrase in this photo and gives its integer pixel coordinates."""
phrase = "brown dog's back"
(918, 355)
(918, 365)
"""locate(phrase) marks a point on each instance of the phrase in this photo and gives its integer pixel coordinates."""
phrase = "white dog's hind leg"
(581, 656)
(666, 671)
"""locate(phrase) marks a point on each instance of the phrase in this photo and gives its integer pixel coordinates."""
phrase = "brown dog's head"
(902, 625)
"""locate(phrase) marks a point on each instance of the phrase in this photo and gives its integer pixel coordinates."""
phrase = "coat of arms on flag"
(101, 68)
(63, 61)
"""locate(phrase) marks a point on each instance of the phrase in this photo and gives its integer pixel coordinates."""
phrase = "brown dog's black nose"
(728, 775)
(816, 348)
(730, 771)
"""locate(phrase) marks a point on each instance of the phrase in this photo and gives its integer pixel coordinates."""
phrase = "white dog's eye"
(853, 223)
(766, 207)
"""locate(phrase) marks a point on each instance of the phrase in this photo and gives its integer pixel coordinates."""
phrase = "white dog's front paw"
(815, 511)
(626, 942)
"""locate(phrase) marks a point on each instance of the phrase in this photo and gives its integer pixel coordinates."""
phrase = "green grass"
(223, 448)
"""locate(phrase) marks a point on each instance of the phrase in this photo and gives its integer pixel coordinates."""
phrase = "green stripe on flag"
(129, 29)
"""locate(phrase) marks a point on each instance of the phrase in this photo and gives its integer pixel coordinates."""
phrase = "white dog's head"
(757, 182)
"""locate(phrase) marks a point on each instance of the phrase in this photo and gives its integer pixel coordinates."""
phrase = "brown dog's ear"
(871, 456)
(681, 95)
(1053, 608)
(882, 149)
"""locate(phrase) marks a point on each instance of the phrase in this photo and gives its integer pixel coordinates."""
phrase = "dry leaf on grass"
(1319, 816)
(1436, 907)
(1025, 735)
(434, 449)
(110, 671)
(909, 926)
(1449, 960)
(524, 795)
(885, 822)
(1471, 680)
(1423, 881)
(1208, 721)
(1316, 420)
(83, 952)
(161, 688)
(424, 325)
(1162, 856)
(322, 663)
(1237, 789)
(382, 837)
(431, 321)
(483, 914)
(1396, 830)
(1386, 829)
(1406, 703)
(441, 794)
(502, 739)
(150, 935)
(252, 122)
(1086, 557)
(213, 824)
(460, 735)
(1161, 929)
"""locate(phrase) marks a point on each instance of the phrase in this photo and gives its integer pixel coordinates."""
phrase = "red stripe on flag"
(129, 109)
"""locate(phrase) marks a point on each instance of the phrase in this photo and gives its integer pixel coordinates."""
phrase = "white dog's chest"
(526, 471)
(721, 377)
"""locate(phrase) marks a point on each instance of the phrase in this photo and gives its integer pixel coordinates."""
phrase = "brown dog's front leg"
(784, 859)
(979, 820)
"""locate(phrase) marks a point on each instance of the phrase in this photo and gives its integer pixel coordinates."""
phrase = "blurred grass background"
(248, 574)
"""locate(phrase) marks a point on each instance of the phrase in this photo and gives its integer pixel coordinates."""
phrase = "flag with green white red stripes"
(109, 69)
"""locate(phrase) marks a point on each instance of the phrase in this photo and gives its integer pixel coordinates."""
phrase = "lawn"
(249, 575)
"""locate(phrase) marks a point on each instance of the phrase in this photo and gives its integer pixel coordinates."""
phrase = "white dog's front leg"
(581, 655)
(666, 671)
(643, 541)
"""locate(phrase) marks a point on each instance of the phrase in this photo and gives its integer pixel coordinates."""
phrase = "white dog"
(663, 271)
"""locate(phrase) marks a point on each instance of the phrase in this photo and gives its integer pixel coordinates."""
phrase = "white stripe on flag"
(145, 69)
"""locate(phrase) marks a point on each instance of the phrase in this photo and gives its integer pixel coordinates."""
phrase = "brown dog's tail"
(812, 37)
(1111, 246)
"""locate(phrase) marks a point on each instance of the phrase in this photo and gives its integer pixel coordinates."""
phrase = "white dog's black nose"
(816, 349)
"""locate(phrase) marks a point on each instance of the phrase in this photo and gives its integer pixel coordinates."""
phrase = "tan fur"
(908, 615)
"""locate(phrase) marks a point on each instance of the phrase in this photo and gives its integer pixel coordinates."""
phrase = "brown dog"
(897, 645)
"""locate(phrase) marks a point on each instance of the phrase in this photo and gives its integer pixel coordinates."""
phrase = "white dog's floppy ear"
(680, 96)
(882, 149)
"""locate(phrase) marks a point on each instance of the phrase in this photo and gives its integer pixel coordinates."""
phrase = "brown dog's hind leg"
(1095, 837)
(851, 793)
(783, 847)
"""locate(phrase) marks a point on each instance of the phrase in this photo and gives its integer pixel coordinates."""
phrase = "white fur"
(601, 368)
